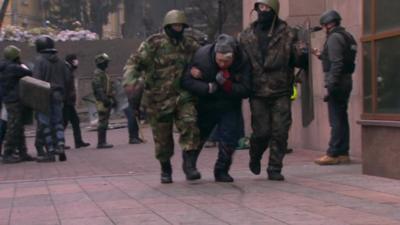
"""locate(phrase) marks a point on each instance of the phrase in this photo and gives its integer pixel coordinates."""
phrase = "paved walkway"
(121, 186)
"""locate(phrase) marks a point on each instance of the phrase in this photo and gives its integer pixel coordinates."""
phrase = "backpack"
(350, 51)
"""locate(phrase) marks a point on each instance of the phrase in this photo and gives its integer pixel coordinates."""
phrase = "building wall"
(316, 136)
(24, 12)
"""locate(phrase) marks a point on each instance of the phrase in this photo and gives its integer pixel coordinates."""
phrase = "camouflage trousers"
(184, 116)
(15, 136)
(271, 119)
(103, 114)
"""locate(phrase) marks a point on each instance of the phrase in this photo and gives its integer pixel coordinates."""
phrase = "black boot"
(255, 166)
(189, 165)
(223, 163)
(275, 164)
(166, 172)
(102, 143)
(257, 149)
(61, 153)
(9, 158)
(135, 140)
(275, 175)
(81, 144)
(49, 156)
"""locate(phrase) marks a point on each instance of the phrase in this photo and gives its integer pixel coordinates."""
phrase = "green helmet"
(274, 4)
(101, 58)
(11, 52)
(174, 17)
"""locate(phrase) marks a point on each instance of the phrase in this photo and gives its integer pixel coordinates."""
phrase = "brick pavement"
(121, 186)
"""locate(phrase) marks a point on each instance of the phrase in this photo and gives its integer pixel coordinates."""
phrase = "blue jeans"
(133, 127)
(51, 125)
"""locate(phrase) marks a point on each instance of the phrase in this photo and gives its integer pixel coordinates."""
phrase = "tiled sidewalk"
(121, 186)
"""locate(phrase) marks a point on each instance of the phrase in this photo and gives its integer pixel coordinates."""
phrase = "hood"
(51, 57)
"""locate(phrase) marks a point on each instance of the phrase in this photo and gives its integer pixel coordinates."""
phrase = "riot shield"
(35, 94)
(307, 94)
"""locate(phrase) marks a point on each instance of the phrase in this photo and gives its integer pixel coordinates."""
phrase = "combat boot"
(9, 158)
(275, 174)
(48, 156)
(255, 166)
(61, 153)
(189, 165)
(257, 148)
(221, 175)
(166, 172)
(102, 143)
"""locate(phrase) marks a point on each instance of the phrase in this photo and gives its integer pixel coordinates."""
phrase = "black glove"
(326, 98)
(107, 103)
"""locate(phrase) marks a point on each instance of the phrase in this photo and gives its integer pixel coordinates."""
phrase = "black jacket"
(240, 71)
(70, 92)
(10, 74)
(48, 67)
(333, 59)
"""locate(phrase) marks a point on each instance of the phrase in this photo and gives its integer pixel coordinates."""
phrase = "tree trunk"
(128, 30)
(3, 11)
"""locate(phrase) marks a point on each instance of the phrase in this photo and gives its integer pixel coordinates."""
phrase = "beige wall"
(316, 136)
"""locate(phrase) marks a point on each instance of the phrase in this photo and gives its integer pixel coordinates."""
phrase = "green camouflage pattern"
(15, 136)
(160, 63)
(103, 91)
(273, 76)
(162, 127)
(274, 4)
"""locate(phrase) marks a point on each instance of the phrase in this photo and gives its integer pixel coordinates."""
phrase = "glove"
(326, 98)
(212, 88)
(222, 76)
(107, 103)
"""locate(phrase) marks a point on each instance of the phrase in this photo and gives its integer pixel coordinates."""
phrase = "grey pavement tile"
(87, 221)
(33, 201)
(27, 215)
(70, 198)
(140, 219)
(6, 203)
(64, 188)
(79, 210)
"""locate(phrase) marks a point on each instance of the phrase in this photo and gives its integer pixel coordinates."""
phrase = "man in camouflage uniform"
(160, 62)
(104, 94)
(270, 44)
(12, 71)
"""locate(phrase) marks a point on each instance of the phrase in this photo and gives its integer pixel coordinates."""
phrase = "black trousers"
(338, 101)
(70, 115)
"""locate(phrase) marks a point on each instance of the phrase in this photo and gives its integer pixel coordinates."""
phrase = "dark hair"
(70, 57)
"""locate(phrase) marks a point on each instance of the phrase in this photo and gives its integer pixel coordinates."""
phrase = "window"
(381, 57)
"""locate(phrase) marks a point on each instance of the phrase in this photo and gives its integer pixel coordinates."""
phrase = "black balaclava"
(173, 34)
(70, 60)
(103, 66)
(265, 19)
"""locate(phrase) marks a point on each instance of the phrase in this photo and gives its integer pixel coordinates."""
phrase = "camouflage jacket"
(160, 64)
(273, 76)
(102, 86)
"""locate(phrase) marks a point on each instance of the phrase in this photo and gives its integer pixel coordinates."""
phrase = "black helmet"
(44, 43)
(329, 17)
